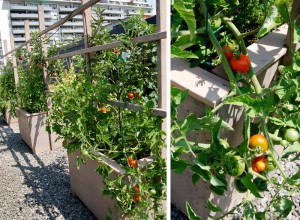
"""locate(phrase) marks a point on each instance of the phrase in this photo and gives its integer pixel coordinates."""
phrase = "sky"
(153, 3)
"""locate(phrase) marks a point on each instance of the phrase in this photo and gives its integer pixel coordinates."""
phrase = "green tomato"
(239, 186)
(153, 191)
(270, 166)
(84, 152)
(261, 184)
(236, 166)
(291, 135)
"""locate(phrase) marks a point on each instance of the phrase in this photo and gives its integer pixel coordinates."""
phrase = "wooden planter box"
(8, 118)
(87, 184)
(33, 131)
(209, 89)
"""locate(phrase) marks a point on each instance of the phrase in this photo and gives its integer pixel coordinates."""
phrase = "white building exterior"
(14, 12)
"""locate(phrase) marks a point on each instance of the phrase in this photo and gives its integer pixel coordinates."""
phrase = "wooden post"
(5, 51)
(14, 60)
(287, 59)
(163, 66)
(87, 21)
(44, 46)
(27, 34)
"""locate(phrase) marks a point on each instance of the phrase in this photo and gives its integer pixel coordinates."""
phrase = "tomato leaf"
(246, 180)
(296, 176)
(184, 42)
(271, 21)
(283, 206)
(179, 53)
(260, 215)
(186, 11)
(191, 214)
(249, 213)
(219, 190)
(296, 32)
(212, 207)
(179, 165)
(205, 175)
(216, 181)
(295, 147)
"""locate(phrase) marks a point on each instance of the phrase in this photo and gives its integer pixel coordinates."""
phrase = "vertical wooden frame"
(41, 16)
(5, 50)
(14, 60)
(162, 8)
(87, 21)
(287, 60)
(27, 34)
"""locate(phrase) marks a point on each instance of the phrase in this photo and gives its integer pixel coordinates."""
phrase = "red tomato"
(131, 95)
(103, 110)
(241, 64)
(136, 198)
(131, 161)
(259, 164)
(20, 58)
(136, 189)
(54, 74)
(116, 50)
(228, 52)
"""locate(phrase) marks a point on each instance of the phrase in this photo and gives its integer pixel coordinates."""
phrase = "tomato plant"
(8, 96)
(31, 87)
(81, 98)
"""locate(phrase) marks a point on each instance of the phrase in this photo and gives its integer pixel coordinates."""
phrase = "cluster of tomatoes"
(133, 94)
(136, 197)
(259, 164)
(238, 62)
(132, 162)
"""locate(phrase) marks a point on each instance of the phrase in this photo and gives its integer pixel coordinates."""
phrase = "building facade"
(17, 11)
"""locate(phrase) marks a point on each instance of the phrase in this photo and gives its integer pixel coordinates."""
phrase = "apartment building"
(16, 11)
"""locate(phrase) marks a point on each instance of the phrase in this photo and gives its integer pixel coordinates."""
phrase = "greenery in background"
(271, 117)
(8, 97)
(189, 38)
(83, 115)
(31, 87)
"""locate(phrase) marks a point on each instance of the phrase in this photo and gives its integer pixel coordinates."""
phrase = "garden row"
(104, 104)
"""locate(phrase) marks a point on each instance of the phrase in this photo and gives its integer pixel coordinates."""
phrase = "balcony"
(63, 9)
(15, 15)
(18, 39)
(71, 30)
(18, 31)
(76, 17)
(113, 11)
(69, 23)
(23, 7)
(111, 18)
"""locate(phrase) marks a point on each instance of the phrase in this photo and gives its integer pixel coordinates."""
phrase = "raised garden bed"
(208, 89)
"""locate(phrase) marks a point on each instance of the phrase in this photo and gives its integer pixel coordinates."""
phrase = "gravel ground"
(35, 186)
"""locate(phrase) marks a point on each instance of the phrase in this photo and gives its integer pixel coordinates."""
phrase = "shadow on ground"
(46, 182)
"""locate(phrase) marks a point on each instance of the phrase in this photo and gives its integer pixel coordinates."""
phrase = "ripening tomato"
(240, 64)
(132, 162)
(131, 95)
(116, 50)
(136, 198)
(54, 74)
(259, 140)
(136, 189)
(103, 110)
(259, 164)
(228, 52)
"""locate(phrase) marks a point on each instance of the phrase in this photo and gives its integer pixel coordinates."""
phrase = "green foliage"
(84, 115)
(31, 87)
(8, 96)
